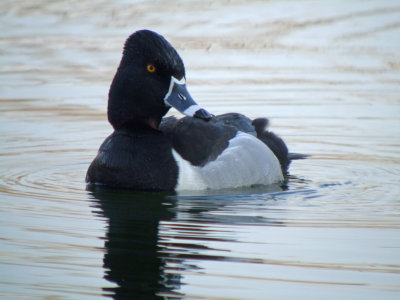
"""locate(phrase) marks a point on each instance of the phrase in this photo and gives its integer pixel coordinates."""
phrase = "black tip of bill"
(202, 114)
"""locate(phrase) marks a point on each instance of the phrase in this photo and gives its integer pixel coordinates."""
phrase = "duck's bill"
(178, 97)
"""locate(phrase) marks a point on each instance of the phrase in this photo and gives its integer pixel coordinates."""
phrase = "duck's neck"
(140, 125)
(153, 122)
(127, 117)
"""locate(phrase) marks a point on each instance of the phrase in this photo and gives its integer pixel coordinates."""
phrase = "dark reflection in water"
(138, 250)
(132, 257)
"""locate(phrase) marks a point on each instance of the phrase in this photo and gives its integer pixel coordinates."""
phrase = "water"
(327, 74)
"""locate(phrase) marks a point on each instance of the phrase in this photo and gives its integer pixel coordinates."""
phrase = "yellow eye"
(151, 68)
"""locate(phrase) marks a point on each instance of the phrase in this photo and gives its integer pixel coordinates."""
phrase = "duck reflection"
(151, 238)
(133, 259)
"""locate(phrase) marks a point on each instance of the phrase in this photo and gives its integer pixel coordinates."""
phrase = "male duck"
(146, 152)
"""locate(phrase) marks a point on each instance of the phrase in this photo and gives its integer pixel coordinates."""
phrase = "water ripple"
(329, 83)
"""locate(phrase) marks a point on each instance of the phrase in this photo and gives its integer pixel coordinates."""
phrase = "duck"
(150, 152)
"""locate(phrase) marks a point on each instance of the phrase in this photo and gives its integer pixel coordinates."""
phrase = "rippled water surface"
(326, 74)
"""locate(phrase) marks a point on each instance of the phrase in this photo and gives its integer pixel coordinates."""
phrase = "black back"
(238, 121)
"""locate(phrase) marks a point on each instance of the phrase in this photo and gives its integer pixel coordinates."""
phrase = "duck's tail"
(295, 156)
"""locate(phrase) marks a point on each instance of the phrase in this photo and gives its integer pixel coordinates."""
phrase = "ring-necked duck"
(147, 152)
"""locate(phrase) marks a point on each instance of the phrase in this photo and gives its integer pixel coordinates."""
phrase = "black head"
(150, 70)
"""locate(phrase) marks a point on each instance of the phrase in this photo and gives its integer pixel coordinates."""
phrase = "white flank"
(246, 161)
(189, 175)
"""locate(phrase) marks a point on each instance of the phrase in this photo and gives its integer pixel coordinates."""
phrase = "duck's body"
(184, 154)
(146, 152)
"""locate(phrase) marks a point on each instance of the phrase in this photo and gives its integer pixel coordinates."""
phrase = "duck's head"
(149, 81)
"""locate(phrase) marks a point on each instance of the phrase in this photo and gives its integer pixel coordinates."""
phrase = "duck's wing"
(258, 128)
(214, 155)
(196, 140)
(238, 121)
(218, 128)
(199, 142)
